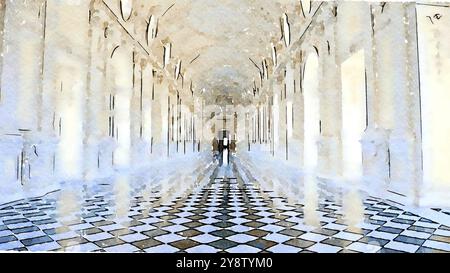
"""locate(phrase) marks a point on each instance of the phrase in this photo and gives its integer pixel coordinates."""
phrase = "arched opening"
(122, 85)
(286, 30)
(126, 7)
(152, 29)
(353, 113)
(224, 146)
(68, 122)
(312, 116)
(274, 55)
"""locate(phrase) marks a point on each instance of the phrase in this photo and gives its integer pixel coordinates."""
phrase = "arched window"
(167, 53)
(354, 113)
(265, 69)
(152, 29)
(306, 7)
(126, 7)
(286, 30)
(177, 70)
(274, 55)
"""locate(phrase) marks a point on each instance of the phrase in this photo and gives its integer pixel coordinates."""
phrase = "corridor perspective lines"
(224, 211)
(231, 126)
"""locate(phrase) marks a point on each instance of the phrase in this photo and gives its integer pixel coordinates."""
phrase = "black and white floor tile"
(227, 214)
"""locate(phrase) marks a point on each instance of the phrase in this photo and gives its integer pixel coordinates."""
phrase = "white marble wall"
(392, 119)
(82, 95)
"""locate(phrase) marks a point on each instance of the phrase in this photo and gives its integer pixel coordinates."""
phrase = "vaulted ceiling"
(215, 40)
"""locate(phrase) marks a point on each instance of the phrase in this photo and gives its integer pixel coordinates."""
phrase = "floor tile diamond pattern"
(224, 215)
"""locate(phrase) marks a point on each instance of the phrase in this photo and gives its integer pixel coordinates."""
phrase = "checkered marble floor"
(444, 211)
(225, 214)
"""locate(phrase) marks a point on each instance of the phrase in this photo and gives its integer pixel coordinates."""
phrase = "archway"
(311, 108)
(122, 87)
(353, 113)
(224, 146)
(68, 120)
(126, 8)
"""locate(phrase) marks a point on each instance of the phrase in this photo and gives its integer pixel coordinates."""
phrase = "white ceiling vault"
(217, 40)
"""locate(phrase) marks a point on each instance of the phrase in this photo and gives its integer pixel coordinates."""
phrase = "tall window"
(286, 30)
(126, 7)
(152, 29)
(274, 55)
(167, 53)
(306, 7)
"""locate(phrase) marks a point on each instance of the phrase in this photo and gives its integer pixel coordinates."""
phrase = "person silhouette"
(215, 148)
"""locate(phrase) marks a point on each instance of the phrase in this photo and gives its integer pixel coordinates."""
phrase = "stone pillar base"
(11, 147)
(159, 151)
(106, 147)
(296, 153)
(140, 153)
(375, 156)
(405, 177)
(329, 156)
(41, 151)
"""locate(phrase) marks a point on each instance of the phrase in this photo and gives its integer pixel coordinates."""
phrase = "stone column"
(2, 33)
(413, 180)
(282, 126)
(241, 129)
(147, 96)
(375, 139)
(160, 122)
(329, 144)
(22, 35)
(138, 151)
(289, 85)
(198, 123)
(248, 136)
(298, 111)
(122, 63)
(96, 129)
(277, 119)
(394, 84)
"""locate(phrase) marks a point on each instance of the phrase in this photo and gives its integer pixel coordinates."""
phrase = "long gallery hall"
(226, 126)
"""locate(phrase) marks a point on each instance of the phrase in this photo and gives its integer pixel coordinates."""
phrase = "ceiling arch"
(218, 41)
